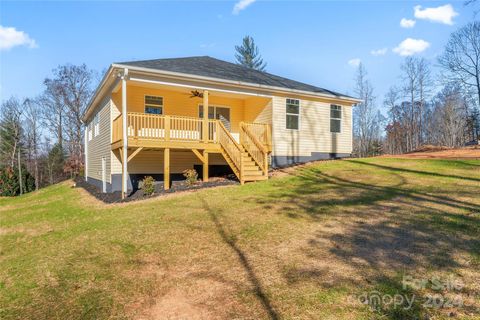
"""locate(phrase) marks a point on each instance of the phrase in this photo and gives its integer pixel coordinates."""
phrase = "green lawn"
(309, 245)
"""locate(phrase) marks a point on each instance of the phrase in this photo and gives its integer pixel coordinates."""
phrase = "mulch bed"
(177, 186)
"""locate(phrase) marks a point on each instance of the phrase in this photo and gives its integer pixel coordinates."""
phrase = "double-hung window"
(153, 105)
(89, 129)
(293, 113)
(96, 123)
(335, 118)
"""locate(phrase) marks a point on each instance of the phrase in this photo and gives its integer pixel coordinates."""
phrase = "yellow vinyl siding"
(180, 103)
(99, 146)
(314, 133)
(258, 110)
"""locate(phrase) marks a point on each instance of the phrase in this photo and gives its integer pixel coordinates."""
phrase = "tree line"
(41, 138)
(423, 107)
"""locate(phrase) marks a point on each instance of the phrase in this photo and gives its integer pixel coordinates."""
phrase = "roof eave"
(233, 82)
(114, 66)
(97, 92)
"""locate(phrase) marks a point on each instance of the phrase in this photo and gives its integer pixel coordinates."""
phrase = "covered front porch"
(151, 115)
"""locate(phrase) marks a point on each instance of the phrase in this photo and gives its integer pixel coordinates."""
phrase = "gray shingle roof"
(215, 68)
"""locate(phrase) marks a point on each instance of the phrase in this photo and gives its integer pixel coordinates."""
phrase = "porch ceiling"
(188, 89)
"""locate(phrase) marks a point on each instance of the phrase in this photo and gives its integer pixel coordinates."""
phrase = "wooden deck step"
(252, 173)
(255, 178)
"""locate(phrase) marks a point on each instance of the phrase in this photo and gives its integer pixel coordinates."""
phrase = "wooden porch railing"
(254, 137)
(117, 129)
(261, 131)
(166, 128)
(254, 146)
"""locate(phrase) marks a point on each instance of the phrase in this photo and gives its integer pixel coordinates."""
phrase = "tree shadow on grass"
(404, 170)
(311, 186)
(231, 241)
(386, 232)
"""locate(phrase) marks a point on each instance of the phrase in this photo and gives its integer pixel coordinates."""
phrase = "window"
(153, 105)
(216, 112)
(335, 118)
(89, 128)
(96, 123)
(293, 113)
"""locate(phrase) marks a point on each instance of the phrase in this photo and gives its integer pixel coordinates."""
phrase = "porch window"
(293, 113)
(335, 118)
(216, 112)
(153, 105)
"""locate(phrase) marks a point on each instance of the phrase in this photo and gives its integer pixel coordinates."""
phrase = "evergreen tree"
(248, 55)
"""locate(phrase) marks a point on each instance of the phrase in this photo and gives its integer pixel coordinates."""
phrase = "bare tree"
(449, 117)
(395, 138)
(10, 130)
(461, 62)
(74, 85)
(416, 85)
(53, 110)
(33, 134)
(461, 58)
(366, 115)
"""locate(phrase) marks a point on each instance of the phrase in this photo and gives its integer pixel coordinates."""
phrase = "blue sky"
(317, 42)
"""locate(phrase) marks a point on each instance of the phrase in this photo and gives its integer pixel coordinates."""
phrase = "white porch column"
(205, 116)
(125, 133)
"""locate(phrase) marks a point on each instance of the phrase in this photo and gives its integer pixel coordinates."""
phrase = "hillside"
(434, 152)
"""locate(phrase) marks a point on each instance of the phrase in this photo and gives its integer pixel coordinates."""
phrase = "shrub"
(10, 184)
(191, 175)
(148, 186)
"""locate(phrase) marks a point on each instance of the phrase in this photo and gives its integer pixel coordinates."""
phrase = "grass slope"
(307, 245)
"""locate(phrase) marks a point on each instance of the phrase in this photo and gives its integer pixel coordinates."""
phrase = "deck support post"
(205, 116)
(205, 166)
(125, 134)
(166, 169)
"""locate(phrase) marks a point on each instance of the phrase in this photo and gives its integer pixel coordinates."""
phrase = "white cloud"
(407, 23)
(10, 37)
(354, 62)
(241, 5)
(443, 14)
(379, 52)
(409, 47)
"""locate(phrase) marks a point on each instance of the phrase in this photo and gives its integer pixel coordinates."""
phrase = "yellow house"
(147, 118)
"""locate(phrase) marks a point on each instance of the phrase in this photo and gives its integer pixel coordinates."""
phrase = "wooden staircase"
(248, 159)
(251, 170)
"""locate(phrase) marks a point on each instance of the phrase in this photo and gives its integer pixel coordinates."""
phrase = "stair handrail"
(235, 153)
(258, 147)
(261, 131)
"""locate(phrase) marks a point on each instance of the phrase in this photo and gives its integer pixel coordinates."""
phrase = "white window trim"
(341, 118)
(293, 114)
(145, 104)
